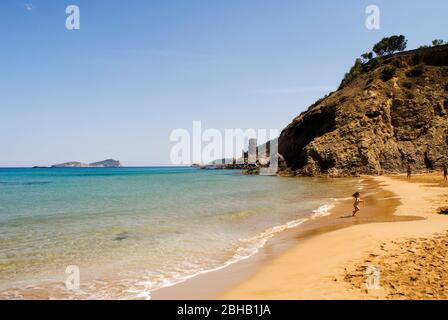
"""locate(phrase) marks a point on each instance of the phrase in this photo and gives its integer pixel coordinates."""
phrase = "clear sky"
(138, 69)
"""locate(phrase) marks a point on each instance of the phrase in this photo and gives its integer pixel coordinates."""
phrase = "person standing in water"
(445, 172)
(358, 200)
(409, 171)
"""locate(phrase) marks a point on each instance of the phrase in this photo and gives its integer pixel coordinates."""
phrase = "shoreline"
(315, 268)
(111, 284)
(325, 256)
(231, 277)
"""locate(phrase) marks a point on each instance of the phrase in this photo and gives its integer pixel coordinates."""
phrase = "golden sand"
(325, 266)
(410, 269)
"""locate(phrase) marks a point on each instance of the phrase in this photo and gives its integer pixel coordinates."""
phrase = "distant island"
(109, 163)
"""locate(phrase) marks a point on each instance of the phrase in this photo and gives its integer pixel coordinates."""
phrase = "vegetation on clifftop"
(385, 47)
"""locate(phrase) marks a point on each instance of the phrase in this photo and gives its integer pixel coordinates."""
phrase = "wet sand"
(379, 206)
(323, 266)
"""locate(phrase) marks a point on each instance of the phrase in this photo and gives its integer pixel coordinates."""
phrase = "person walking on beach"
(358, 200)
(445, 172)
(409, 171)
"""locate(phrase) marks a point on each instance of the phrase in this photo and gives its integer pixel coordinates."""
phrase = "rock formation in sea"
(109, 163)
(391, 113)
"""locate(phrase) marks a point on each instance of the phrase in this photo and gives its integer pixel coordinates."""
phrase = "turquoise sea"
(134, 230)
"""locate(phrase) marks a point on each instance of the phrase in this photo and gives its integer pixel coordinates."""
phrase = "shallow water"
(134, 230)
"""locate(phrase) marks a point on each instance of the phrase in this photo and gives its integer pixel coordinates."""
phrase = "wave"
(143, 287)
(246, 248)
(323, 211)
(251, 246)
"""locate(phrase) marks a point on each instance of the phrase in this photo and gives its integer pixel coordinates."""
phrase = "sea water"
(131, 231)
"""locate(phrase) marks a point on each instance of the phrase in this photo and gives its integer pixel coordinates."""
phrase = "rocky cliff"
(394, 111)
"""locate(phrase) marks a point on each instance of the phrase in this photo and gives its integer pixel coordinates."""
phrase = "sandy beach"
(398, 236)
(408, 251)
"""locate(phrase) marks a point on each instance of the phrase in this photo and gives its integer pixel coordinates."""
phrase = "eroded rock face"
(373, 125)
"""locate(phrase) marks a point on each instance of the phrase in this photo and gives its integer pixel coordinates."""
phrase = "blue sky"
(136, 70)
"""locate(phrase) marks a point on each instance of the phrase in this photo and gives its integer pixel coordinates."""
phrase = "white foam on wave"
(246, 248)
(252, 245)
(143, 288)
(324, 210)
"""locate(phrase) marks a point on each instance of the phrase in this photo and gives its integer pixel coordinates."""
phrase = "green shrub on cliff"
(388, 72)
(354, 72)
(416, 71)
(438, 42)
(390, 45)
(366, 57)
